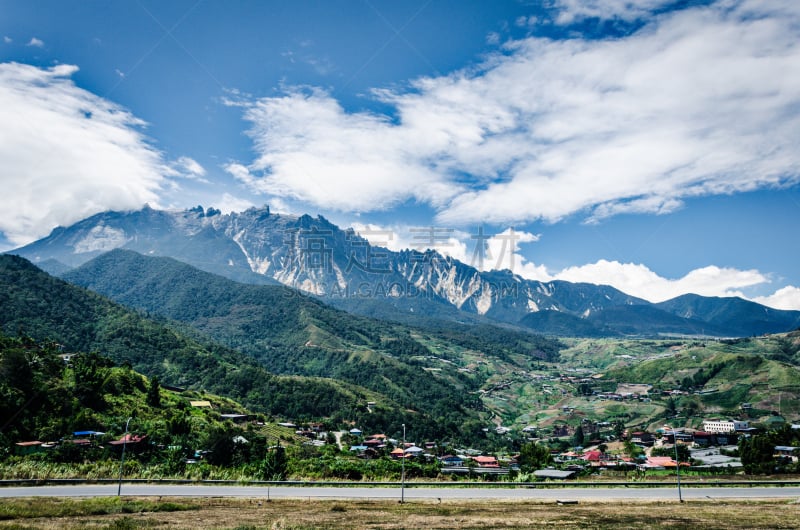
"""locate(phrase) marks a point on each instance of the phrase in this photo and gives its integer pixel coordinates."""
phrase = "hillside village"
(570, 449)
(713, 449)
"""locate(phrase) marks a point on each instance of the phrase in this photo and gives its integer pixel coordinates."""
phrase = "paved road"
(586, 494)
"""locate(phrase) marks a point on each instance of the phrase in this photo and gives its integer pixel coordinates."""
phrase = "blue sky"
(647, 144)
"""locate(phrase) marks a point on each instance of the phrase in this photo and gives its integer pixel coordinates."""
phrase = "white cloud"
(7, 39)
(785, 298)
(278, 205)
(240, 173)
(228, 203)
(568, 11)
(697, 102)
(312, 150)
(36, 43)
(527, 22)
(67, 153)
(638, 280)
(187, 167)
(502, 250)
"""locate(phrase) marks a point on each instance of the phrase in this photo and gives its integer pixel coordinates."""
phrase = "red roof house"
(486, 461)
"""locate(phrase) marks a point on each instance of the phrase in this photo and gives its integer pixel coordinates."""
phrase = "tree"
(578, 437)
(756, 453)
(633, 450)
(672, 408)
(619, 428)
(219, 442)
(154, 393)
(89, 372)
(683, 452)
(533, 456)
(178, 423)
(691, 407)
(273, 466)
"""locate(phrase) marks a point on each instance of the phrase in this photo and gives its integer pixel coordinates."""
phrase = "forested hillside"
(68, 417)
(32, 303)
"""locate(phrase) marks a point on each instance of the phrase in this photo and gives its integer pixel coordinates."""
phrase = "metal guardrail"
(408, 484)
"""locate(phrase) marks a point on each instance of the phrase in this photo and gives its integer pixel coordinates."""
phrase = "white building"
(723, 426)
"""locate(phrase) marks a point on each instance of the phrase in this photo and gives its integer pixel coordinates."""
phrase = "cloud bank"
(638, 280)
(68, 153)
(786, 298)
(697, 102)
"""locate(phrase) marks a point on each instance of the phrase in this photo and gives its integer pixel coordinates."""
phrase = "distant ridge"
(342, 269)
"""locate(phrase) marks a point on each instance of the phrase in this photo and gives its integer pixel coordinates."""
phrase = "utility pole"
(122, 461)
(677, 463)
(403, 469)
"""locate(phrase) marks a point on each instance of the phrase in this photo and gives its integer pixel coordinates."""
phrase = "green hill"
(680, 382)
(32, 303)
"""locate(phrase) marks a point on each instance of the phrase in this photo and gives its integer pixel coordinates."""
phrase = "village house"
(681, 435)
(704, 439)
(27, 448)
(235, 418)
(787, 451)
(659, 462)
(414, 451)
(643, 438)
(452, 461)
(486, 461)
(724, 426)
(129, 440)
(554, 474)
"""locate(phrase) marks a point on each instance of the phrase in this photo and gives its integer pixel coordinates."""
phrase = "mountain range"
(343, 269)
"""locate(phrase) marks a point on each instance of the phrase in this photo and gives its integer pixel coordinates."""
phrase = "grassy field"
(241, 514)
